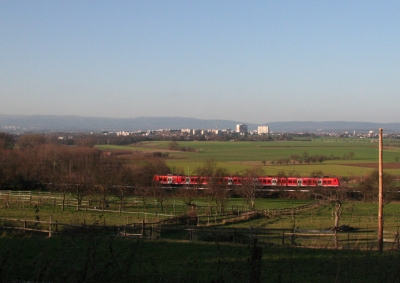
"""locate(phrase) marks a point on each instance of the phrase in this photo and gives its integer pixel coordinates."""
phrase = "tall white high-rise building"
(263, 130)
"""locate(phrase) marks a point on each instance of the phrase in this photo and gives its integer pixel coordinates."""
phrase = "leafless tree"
(124, 185)
(31, 141)
(8, 167)
(217, 190)
(250, 184)
(369, 185)
(6, 141)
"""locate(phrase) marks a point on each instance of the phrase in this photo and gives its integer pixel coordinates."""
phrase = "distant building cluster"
(239, 133)
(241, 129)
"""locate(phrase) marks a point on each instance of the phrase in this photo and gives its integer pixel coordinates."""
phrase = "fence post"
(8, 200)
(255, 262)
(49, 226)
(24, 226)
(283, 238)
(142, 231)
(336, 239)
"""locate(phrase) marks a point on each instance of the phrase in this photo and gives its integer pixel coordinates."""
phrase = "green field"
(360, 215)
(98, 253)
(237, 156)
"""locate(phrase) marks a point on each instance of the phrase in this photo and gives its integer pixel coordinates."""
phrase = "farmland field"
(237, 156)
(88, 244)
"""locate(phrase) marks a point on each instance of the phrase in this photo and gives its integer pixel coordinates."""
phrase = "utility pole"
(380, 211)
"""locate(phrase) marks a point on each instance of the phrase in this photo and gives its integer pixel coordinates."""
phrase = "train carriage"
(261, 182)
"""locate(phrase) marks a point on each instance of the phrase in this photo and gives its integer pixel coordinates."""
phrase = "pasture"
(97, 255)
(45, 206)
(220, 247)
(237, 156)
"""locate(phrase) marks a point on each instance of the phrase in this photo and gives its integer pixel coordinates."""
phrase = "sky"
(247, 61)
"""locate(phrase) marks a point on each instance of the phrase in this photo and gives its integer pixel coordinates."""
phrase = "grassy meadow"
(237, 156)
(104, 257)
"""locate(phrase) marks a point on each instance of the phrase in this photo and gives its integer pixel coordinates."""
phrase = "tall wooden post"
(380, 211)
(50, 227)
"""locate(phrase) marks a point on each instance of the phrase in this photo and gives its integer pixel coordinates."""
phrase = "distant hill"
(53, 123)
(333, 126)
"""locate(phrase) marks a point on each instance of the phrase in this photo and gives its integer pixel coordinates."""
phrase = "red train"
(263, 182)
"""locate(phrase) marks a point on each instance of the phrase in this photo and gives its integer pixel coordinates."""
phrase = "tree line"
(34, 162)
(306, 158)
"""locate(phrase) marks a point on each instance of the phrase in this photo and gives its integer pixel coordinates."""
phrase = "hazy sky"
(249, 61)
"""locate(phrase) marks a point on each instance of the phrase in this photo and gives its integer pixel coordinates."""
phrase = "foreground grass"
(101, 258)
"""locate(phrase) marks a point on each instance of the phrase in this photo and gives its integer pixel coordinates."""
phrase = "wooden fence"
(178, 228)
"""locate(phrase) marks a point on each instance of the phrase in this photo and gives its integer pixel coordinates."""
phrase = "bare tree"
(217, 190)
(82, 184)
(281, 176)
(6, 141)
(8, 167)
(105, 178)
(370, 183)
(160, 194)
(250, 184)
(124, 185)
(31, 140)
(189, 195)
